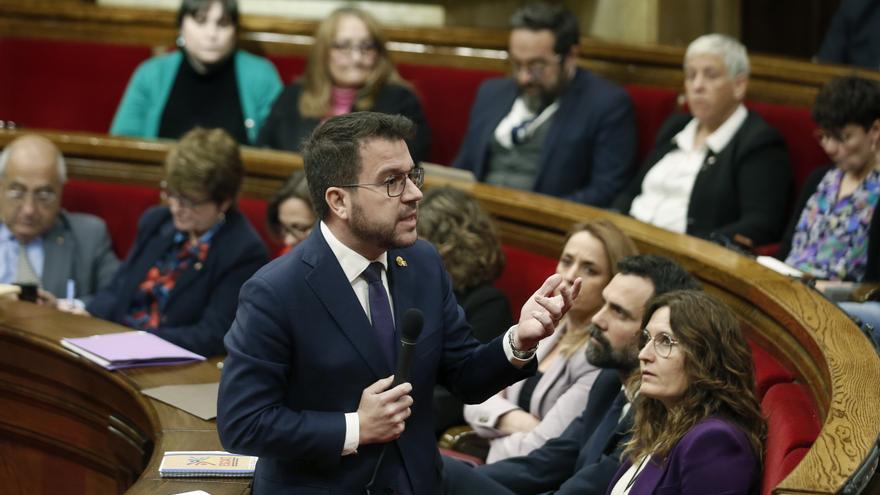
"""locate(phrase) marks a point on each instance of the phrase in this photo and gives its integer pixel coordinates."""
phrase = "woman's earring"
(180, 42)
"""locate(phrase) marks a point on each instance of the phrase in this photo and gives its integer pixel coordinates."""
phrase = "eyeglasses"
(663, 343)
(43, 197)
(297, 231)
(838, 136)
(349, 48)
(535, 68)
(182, 201)
(396, 184)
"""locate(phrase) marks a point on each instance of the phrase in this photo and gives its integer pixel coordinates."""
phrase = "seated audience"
(721, 172)
(853, 37)
(289, 214)
(525, 415)
(583, 459)
(453, 221)
(40, 243)
(190, 258)
(698, 426)
(208, 82)
(349, 69)
(834, 233)
(550, 127)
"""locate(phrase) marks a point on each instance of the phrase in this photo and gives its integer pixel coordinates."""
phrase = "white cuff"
(508, 350)
(352, 434)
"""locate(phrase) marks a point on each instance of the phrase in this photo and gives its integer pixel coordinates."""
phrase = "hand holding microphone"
(385, 405)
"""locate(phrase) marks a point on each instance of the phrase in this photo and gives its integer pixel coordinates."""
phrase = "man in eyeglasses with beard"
(584, 458)
(550, 127)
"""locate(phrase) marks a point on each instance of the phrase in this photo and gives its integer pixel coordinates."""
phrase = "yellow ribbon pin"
(400, 261)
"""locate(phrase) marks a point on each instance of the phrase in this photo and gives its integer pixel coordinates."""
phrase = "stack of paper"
(130, 349)
(206, 463)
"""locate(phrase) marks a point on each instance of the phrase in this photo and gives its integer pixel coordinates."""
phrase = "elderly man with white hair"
(40, 243)
(720, 172)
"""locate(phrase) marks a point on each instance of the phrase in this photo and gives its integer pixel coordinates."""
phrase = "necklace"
(635, 474)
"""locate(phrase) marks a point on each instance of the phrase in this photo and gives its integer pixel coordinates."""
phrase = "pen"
(71, 289)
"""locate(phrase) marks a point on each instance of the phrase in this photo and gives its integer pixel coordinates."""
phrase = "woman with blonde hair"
(698, 426)
(349, 69)
(525, 415)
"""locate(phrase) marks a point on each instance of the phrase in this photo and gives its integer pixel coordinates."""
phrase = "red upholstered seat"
(768, 371)
(119, 205)
(64, 84)
(652, 107)
(792, 427)
(522, 275)
(255, 211)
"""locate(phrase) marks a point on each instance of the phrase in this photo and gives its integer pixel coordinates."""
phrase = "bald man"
(39, 242)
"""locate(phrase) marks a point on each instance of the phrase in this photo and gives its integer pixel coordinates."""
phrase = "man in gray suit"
(39, 242)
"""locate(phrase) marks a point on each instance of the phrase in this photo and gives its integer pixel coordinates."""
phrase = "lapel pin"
(400, 261)
(198, 265)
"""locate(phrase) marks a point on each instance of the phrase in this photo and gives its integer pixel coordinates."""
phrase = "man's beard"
(373, 233)
(600, 353)
(537, 102)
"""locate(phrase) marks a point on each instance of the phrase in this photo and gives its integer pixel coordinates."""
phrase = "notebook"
(129, 349)
(183, 464)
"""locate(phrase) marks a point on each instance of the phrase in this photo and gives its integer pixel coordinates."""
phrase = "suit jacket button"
(484, 419)
(711, 160)
(249, 123)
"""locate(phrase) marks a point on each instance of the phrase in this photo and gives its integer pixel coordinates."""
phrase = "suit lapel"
(649, 477)
(562, 121)
(57, 259)
(401, 281)
(331, 287)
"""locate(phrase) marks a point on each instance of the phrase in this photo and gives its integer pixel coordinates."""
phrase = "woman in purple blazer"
(698, 427)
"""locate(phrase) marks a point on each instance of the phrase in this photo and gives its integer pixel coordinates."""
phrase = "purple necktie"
(380, 310)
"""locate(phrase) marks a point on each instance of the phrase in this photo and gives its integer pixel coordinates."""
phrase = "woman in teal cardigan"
(208, 82)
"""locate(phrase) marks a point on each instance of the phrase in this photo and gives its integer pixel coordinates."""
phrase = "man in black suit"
(585, 457)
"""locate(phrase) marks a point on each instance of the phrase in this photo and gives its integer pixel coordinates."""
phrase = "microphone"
(411, 328)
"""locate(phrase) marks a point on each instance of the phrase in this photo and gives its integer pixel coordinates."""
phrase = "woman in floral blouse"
(835, 234)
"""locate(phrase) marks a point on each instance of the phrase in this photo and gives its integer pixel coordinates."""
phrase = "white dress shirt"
(667, 187)
(9, 247)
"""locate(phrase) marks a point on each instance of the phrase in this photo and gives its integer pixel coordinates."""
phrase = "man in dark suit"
(550, 127)
(39, 242)
(584, 458)
(307, 383)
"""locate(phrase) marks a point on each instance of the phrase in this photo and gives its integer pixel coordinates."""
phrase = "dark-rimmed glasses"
(182, 201)
(396, 184)
(663, 343)
(535, 68)
(297, 231)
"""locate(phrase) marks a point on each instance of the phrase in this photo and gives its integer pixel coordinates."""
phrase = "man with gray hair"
(40, 243)
(722, 172)
(550, 127)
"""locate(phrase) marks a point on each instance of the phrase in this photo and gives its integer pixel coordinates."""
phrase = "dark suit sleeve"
(252, 413)
(763, 182)
(807, 190)
(487, 310)
(834, 45)
(613, 152)
(206, 336)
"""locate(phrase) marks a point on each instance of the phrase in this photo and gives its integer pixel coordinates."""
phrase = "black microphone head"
(412, 326)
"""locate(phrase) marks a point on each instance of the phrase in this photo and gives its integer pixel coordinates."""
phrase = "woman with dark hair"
(289, 214)
(834, 233)
(525, 415)
(349, 70)
(181, 278)
(207, 82)
(698, 426)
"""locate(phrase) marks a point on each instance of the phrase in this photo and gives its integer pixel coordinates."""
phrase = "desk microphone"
(411, 328)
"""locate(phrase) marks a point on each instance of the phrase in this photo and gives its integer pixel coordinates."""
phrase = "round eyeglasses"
(663, 343)
(396, 184)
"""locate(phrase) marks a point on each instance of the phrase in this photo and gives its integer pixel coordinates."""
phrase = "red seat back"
(792, 427)
(522, 276)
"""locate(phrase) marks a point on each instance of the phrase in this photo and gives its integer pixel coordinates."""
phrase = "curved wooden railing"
(773, 79)
(795, 324)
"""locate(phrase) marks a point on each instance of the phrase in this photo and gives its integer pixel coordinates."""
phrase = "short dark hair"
(665, 274)
(847, 100)
(538, 16)
(192, 7)
(332, 153)
(297, 187)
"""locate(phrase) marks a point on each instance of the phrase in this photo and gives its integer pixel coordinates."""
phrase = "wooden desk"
(69, 426)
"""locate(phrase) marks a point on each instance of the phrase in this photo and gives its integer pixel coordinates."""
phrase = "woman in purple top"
(698, 428)
(834, 235)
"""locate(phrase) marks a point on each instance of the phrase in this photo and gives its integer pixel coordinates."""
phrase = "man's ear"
(339, 202)
(740, 85)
